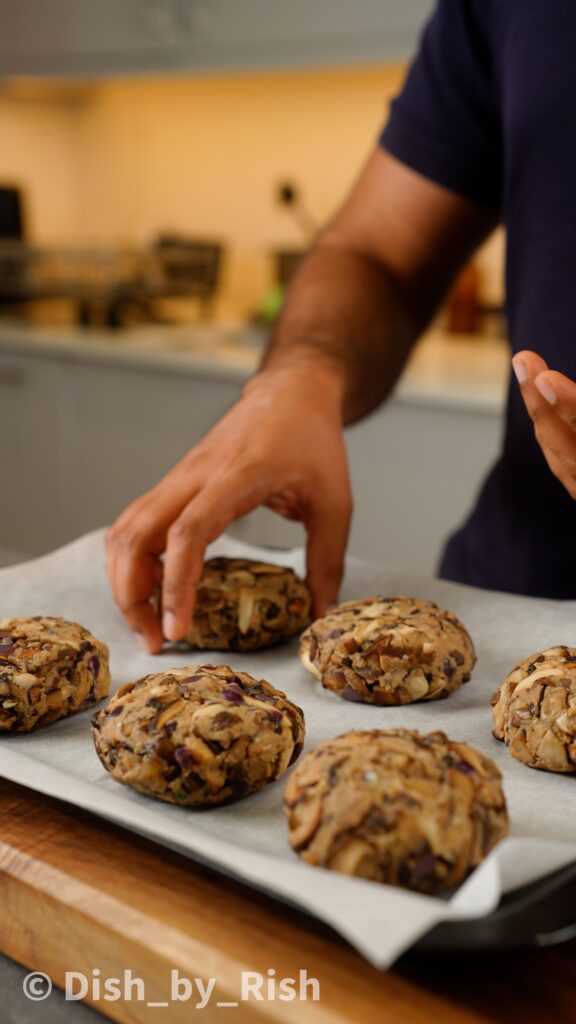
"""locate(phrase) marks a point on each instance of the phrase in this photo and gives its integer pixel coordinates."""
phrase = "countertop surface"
(446, 371)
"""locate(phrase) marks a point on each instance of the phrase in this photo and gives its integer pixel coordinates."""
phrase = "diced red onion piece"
(233, 694)
(267, 698)
(338, 676)
(424, 866)
(349, 694)
(184, 758)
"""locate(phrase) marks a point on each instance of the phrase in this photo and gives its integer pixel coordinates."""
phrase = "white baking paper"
(248, 839)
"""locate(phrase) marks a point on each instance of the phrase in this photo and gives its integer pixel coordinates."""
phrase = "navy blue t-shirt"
(489, 111)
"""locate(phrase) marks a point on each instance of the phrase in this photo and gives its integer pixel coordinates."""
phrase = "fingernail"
(169, 625)
(546, 390)
(519, 367)
(143, 643)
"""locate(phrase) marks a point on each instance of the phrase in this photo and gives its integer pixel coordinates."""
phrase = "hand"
(550, 398)
(281, 446)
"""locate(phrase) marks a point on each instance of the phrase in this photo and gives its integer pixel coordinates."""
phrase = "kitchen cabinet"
(131, 425)
(80, 37)
(83, 436)
(34, 459)
(415, 470)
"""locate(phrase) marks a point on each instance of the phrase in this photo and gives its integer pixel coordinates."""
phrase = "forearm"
(348, 319)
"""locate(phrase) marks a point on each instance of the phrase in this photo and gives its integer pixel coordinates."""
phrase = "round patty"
(396, 807)
(49, 668)
(242, 605)
(534, 710)
(198, 735)
(389, 651)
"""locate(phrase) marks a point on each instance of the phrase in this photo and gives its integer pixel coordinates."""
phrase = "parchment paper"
(248, 839)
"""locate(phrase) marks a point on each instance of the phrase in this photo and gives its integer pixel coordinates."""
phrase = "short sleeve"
(446, 122)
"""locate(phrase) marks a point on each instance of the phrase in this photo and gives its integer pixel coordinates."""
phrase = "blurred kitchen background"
(164, 164)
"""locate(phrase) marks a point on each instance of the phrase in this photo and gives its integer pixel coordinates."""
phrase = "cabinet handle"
(12, 377)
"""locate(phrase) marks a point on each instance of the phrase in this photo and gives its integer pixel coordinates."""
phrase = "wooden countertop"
(77, 894)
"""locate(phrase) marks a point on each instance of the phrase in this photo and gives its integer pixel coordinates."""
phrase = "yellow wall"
(39, 151)
(199, 154)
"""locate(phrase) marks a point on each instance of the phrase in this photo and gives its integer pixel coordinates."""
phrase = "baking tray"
(248, 840)
(536, 915)
(540, 914)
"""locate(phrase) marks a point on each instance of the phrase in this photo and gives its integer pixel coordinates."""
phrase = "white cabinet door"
(33, 515)
(131, 425)
(415, 472)
(79, 441)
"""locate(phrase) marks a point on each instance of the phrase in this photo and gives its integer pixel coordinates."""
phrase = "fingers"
(550, 399)
(134, 544)
(252, 458)
(328, 528)
(203, 519)
(187, 540)
(527, 365)
(135, 583)
(560, 393)
(558, 444)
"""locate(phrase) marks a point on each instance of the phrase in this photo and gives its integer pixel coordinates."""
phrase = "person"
(481, 133)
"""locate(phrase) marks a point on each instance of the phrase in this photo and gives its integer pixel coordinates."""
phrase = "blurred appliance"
(12, 267)
(113, 285)
(189, 267)
(11, 213)
(287, 262)
(290, 196)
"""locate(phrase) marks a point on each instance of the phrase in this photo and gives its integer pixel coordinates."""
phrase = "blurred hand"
(281, 446)
(550, 399)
